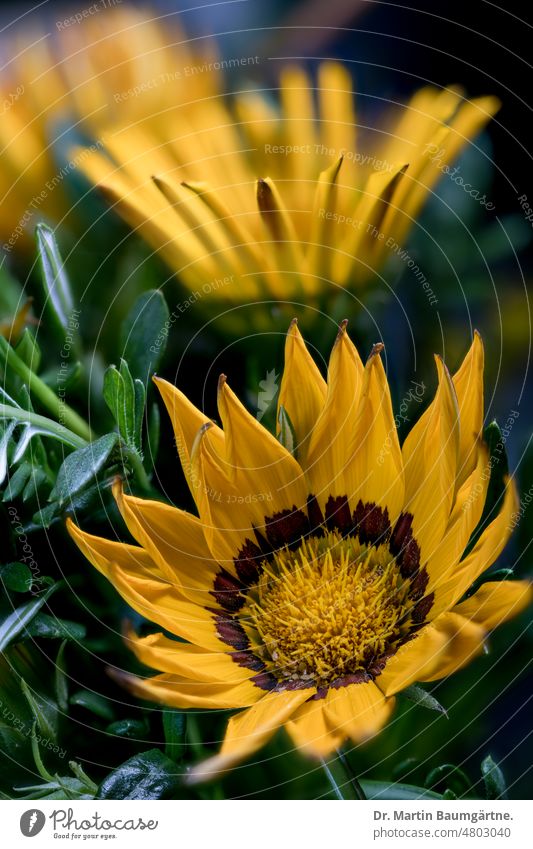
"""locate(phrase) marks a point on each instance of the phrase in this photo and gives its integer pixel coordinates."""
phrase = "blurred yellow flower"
(279, 202)
(79, 76)
(326, 571)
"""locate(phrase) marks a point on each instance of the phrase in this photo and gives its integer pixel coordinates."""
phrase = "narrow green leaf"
(497, 575)
(131, 729)
(128, 405)
(150, 775)
(449, 776)
(174, 727)
(55, 282)
(17, 481)
(495, 786)
(41, 769)
(499, 469)
(140, 400)
(52, 628)
(61, 681)
(94, 703)
(44, 712)
(419, 696)
(80, 467)
(28, 350)
(382, 790)
(144, 334)
(286, 435)
(449, 794)
(12, 626)
(37, 478)
(152, 442)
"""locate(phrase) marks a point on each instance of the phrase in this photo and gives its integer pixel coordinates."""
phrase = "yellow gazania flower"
(122, 64)
(319, 582)
(277, 204)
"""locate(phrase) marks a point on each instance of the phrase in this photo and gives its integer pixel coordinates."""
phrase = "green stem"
(43, 423)
(342, 779)
(136, 464)
(46, 396)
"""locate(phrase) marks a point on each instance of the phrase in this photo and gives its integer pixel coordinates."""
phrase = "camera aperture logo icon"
(32, 822)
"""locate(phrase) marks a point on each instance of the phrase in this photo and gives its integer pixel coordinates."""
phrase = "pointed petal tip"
(117, 488)
(341, 331)
(119, 676)
(222, 381)
(377, 348)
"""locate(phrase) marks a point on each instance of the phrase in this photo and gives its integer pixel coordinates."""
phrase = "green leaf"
(152, 441)
(55, 284)
(18, 620)
(37, 478)
(419, 696)
(150, 775)
(61, 682)
(16, 577)
(28, 350)
(286, 435)
(497, 575)
(53, 629)
(17, 481)
(125, 399)
(400, 792)
(144, 334)
(131, 729)
(449, 794)
(80, 467)
(174, 727)
(140, 401)
(495, 786)
(499, 469)
(93, 702)
(44, 711)
(450, 777)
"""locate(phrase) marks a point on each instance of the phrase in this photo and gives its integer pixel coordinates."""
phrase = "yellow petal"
(322, 238)
(220, 505)
(376, 468)
(495, 602)
(464, 641)
(337, 112)
(331, 443)
(186, 660)
(362, 243)
(357, 710)
(278, 224)
(413, 661)
(453, 584)
(139, 581)
(430, 463)
(465, 517)
(186, 421)
(177, 692)
(303, 391)
(265, 474)
(174, 539)
(249, 731)
(309, 731)
(468, 382)
(296, 94)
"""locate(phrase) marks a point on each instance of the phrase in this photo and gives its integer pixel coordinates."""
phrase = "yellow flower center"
(327, 609)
